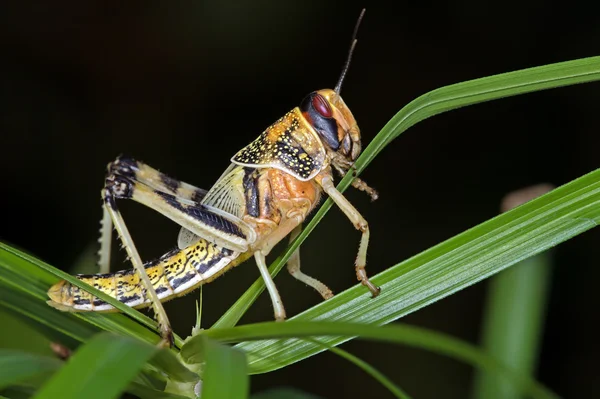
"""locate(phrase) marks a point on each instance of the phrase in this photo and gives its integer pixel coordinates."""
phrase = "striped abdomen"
(172, 275)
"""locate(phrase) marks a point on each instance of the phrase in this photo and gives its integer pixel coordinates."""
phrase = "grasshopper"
(265, 194)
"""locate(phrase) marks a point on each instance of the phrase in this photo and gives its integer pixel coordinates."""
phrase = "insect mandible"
(266, 193)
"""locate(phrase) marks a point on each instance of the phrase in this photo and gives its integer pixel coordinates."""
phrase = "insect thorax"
(290, 144)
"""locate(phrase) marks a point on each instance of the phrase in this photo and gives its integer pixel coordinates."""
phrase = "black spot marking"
(203, 268)
(124, 166)
(98, 302)
(119, 186)
(200, 213)
(79, 301)
(160, 290)
(131, 298)
(226, 251)
(266, 203)
(198, 195)
(110, 200)
(178, 282)
(250, 184)
(170, 183)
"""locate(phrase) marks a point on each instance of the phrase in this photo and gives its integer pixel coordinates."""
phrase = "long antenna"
(338, 86)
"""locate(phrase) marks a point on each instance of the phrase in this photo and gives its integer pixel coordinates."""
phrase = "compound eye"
(322, 106)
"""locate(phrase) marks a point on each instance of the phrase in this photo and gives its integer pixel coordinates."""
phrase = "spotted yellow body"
(172, 275)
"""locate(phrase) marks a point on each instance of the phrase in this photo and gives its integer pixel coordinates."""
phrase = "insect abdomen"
(172, 275)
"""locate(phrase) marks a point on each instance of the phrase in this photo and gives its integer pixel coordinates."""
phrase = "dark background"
(184, 85)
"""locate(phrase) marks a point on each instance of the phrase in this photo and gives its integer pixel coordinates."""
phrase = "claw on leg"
(167, 340)
(361, 274)
(362, 186)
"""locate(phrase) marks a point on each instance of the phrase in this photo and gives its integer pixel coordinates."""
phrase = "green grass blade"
(287, 334)
(18, 367)
(21, 333)
(19, 392)
(26, 273)
(63, 327)
(100, 369)
(226, 372)
(513, 321)
(167, 362)
(434, 102)
(450, 266)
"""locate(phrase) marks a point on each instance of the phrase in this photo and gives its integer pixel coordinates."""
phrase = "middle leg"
(293, 266)
(278, 308)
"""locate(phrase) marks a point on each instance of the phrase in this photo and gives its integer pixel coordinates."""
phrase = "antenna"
(338, 86)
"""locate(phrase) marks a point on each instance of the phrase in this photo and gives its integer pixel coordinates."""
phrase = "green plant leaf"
(226, 373)
(450, 266)
(17, 367)
(167, 362)
(432, 103)
(145, 392)
(26, 371)
(55, 325)
(22, 333)
(19, 392)
(102, 368)
(285, 335)
(513, 323)
(24, 273)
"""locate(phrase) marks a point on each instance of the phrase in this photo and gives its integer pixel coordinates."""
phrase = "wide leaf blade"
(448, 267)
(429, 104)
(100, 369)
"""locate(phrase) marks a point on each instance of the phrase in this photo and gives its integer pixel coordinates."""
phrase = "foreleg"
(360, 223)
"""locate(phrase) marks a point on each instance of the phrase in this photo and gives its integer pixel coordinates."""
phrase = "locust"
(266, 193)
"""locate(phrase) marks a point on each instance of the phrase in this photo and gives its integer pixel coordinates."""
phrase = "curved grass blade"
(74, 326)
(448, 267)
(287, 334)
(432, 103)
(166, 361)
(25, 272)
(100, 369)
(22, 333)
(54, 325)
(19, 392)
